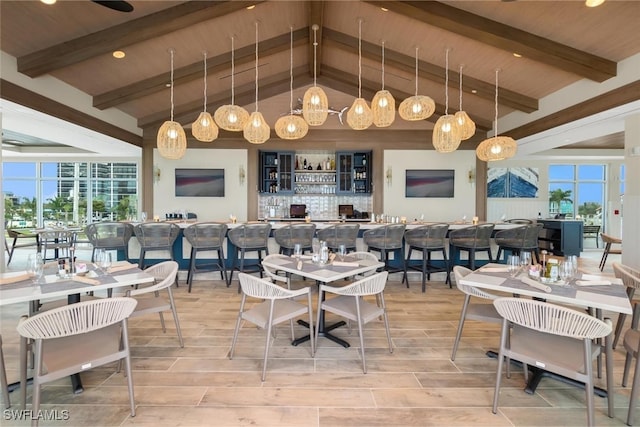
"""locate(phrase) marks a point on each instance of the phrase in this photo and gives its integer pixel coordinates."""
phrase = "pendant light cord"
(383, 65)
(461, 87)
(256, 66)
(233, 73)
(495, 124)
(446, 84)
(315, 46)
(360, 58)
(205, 81)
(291, 70)
(416, 94)
(171, 51)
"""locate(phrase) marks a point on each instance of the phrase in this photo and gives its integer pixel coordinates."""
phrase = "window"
(46, 193)
(578, 191)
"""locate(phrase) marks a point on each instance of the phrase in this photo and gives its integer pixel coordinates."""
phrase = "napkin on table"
(122, 266)
(494, 270)
(86, 280)
(345, 264)
(535, 284)
(593, 282)
(14, 277)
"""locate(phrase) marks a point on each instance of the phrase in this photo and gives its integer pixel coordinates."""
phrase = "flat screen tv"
(199, 182)
(430, 183)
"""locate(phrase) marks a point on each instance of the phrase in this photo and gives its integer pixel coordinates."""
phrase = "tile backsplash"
(318, 206)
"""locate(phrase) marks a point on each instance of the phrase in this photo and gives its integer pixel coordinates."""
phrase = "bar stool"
(206, 236)
(476, 238)
(427, 239)
(519, 239)
(156, 236)
(248, 238)
(109, 236)
(340, 234)
(385, 239)
(288, 236)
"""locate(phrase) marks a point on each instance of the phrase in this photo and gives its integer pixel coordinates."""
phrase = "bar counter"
(182, 248)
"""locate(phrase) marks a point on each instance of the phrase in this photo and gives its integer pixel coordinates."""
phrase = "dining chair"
(555, 338)
(608, 242)
(3, 379)
(385, 239)
(340, 234)
(109, 236)
(155, 236)
(277, 306)
(631, 279)
(427, 239)
(288, 236)
(272, 274)
(349, 303)
(476, 238)
(59, 241)
(75, 338)
(631, 343)
(482, 312)
(13, 234)
(206, 236)
(151, 300)
(248, 238)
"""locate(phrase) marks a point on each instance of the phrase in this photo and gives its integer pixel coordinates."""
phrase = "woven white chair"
(631, 343)
(350, 304)
(150, 299)
(277, 307)
(555, 338)
(3, 379)
(273, 274)
(475, 311)
(74, 338)
(631, 279)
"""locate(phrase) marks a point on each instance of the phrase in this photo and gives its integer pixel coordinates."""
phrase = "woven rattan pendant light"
(231, 117)
(467, 126)
(359, 116)
(383, 106)
(497, 147)
(291, 126)
(417, 107)
(171, 139)
(204, 128)
(315, 105)
(446, 132)
(256, 130)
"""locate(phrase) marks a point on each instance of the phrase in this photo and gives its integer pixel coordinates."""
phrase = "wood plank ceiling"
(558, 43)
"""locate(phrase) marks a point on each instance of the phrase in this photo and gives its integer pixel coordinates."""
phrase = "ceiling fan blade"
(118, 5)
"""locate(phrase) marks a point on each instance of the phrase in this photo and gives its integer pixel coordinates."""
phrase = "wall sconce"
(389, 175)
(241, 174)
(156, 174)
(472, 176)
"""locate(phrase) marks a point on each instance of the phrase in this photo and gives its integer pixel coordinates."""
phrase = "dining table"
(587, 291)
(18, 287)
(332, 271)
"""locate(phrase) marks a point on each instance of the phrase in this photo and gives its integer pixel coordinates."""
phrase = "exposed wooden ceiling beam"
(614, 98)
(504, 37)
(433, 72)
(19, 95)
(344, 82)
(193, 71)
(244, 95)
(154, 25)
(316, 17)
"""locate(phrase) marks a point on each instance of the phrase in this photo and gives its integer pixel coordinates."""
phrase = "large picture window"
(578, 191)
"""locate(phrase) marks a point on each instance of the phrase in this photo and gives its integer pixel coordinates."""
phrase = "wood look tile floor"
(416, 385)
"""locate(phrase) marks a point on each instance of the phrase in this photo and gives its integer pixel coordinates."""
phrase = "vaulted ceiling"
(558, 44)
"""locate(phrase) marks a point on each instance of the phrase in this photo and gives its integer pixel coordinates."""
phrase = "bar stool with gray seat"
(156, 236)
(385, 239)
(109, 236)
(288, 236)
(427, 239)
(519, 239)
(206, 236)
(476, 238)
(340, 234)
(248, 238)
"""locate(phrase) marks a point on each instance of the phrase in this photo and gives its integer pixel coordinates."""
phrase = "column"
(631, 203)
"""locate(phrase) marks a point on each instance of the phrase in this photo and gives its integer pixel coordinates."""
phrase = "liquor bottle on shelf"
(297, 163)
(305, 163)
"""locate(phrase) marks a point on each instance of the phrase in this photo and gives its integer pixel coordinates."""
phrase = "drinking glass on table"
(35, 267)
(513, 265)
(105, 262)
(342, 251)
(297, 250)
(573, 260)
(565, 270)
(525, 259)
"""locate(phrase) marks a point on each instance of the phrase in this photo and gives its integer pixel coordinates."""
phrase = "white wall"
(207, 208)
(434, 209)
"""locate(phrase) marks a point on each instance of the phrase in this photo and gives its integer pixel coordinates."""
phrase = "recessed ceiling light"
(593, 3)
(474, 91)
(517, 55)
(48, 1)
(251, 7)
(118, 54)
(384, 9)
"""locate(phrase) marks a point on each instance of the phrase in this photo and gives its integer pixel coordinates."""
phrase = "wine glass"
(297, 250)
(35, 267)
(342, 251)
(525, 259)
(143, 216)
(513, 265)
(105, 262)
(565, 270)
